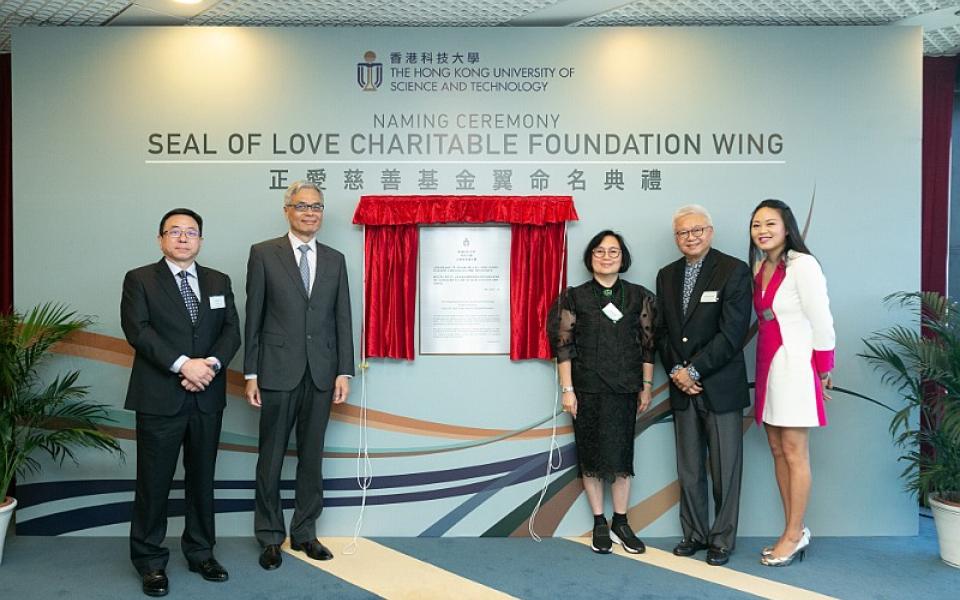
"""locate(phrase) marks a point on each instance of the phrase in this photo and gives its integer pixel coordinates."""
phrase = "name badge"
(709, 297)
(217, 302)
(613, 313)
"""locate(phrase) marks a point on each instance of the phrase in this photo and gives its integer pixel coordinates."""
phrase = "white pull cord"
(364, 466)
(554, 445)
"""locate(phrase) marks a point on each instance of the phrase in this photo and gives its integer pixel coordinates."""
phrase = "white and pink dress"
(795, 343)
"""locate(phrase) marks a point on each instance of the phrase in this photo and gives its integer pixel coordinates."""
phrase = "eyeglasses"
(610, 252)
(304, 207)
(693, 232)
(176, 233)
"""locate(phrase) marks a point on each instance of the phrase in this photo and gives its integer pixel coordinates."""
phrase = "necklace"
(607, 293)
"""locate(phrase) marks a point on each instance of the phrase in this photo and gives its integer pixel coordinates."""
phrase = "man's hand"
(251, 392)
(198, 373)
(341, 389)
(686, 383)
(189, 386)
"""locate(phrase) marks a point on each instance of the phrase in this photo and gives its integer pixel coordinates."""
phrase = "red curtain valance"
(537, 267)
(426, 210)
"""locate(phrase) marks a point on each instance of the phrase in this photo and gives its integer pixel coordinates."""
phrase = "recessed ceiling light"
(188, 1)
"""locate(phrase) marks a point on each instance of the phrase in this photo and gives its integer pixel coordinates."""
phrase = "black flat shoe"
(314, 549)
(155, 583)
(602, 544)
(717, 557)
(623, 535)
(688, 547)
(271, 557)
(210, 569)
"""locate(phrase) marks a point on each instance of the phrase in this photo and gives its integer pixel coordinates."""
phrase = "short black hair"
(181, 211)
(596, 240)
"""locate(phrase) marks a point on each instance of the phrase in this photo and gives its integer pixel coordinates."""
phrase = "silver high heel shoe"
(805, 535)
(784, 561)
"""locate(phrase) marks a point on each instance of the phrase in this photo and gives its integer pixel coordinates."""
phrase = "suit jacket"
(712, 334)
(286, 330)
(157, 324)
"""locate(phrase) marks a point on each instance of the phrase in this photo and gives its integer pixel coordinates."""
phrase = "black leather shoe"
(688, 547)
(155, 583)
(210, 569)
(271, 557)
(718, 556)
(314, 549)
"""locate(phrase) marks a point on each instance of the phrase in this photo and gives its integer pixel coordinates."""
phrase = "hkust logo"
(369, 73)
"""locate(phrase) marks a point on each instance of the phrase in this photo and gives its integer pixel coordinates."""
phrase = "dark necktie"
(189, 298)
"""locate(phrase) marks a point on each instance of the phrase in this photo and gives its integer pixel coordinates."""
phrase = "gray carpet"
(849, 568)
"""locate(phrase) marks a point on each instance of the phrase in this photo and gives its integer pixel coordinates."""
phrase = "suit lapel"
(286, 257)
(675, 288)
(320, 265)
(203, 282)
(168, 283)
(706, 273)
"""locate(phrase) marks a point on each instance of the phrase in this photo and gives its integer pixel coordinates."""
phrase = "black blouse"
(607, 357)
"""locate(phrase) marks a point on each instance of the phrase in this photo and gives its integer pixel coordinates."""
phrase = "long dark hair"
(794, 239)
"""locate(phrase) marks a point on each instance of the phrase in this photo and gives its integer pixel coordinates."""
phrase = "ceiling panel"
(941, 37)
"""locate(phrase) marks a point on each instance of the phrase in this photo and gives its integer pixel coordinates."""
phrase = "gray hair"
(692, 209)
(297, 186)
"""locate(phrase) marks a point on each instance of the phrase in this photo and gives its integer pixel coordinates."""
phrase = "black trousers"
(706, 439)
(159, 440)
(309, 409)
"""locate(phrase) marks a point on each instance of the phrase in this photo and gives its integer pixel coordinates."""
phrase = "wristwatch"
(566, 388)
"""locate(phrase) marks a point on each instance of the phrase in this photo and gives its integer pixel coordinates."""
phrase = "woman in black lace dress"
(602, 335)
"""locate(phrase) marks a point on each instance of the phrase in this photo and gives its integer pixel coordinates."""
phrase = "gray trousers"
(309, 409)
(703, 435)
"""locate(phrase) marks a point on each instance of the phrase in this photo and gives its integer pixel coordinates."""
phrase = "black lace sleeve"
(561, 327)
(646, 325)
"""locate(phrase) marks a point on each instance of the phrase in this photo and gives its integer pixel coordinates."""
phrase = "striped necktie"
(305, 267)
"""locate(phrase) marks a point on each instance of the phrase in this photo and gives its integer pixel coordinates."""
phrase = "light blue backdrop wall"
(846, 104)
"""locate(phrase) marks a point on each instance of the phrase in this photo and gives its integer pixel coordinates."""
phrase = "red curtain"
(390, 295)
(939, 75)
(6, 187)
(538, 271)
(536, 261)
(429, 210)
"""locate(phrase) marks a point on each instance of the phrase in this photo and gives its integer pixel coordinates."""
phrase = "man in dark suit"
(182, 323)
(703, 306)
(298, 360)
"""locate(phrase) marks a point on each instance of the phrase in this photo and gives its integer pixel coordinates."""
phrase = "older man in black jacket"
(703, 302)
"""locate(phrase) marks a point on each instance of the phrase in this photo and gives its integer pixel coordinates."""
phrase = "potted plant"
(923, 364)
(37, 414)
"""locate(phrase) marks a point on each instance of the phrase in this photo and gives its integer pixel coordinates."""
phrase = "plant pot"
(947, 519)
(6, 511)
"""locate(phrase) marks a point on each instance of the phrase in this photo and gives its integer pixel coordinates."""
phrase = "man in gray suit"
(298, 360)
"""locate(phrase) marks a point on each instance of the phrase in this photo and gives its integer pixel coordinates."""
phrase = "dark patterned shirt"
(690, 273)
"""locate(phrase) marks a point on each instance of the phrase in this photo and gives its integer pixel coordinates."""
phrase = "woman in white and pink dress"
(795, 347)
